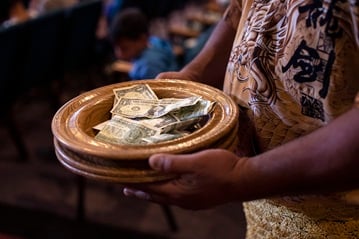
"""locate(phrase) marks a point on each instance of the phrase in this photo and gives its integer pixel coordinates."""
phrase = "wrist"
(192, 72)
(253, 180)
(241, 180)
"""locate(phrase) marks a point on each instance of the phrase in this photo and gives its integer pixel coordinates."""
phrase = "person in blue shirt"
(148, 55)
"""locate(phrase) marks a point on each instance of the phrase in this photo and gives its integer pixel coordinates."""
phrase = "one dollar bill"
(143, 108)
(125, 131)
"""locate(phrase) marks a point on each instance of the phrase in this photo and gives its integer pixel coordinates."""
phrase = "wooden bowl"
(72, 124)
(118, 171)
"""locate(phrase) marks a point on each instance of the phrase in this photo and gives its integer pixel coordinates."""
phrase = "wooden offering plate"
(78, 150)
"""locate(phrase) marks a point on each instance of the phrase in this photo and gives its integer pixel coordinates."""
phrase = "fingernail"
(156, 163)
(136, 193)
(128, 192)
(142, 195)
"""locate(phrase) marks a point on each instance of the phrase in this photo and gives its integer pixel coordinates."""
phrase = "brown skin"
(325, 160)
(216, 176)
(210, 64)
(19, 12)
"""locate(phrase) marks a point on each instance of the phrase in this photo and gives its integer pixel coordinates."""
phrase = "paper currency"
(139, 117)
(180, 125)
(159, 122)
(163, 137)
(201, 108)
(143, 108)
(125, 131)
(100, 125)
(140, 91)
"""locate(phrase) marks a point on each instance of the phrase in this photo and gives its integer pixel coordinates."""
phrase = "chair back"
(81, 24)
(43, 58)
(12, 47)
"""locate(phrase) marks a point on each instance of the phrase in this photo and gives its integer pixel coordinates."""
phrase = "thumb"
(169, 75)
(170, 163)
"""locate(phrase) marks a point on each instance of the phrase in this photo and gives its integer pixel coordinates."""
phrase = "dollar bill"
(125, 131)
(180, 125)
(164, 137)
(201, 108)
(139, 117)
(100, 125)
(158, 122)
(143, 108)
(140, 91)
(164, 124)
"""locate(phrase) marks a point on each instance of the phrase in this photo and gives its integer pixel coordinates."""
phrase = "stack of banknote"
(138, 116)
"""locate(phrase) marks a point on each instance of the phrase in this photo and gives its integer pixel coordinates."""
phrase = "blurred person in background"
(14, 11)
(42, 6)
(143, 56)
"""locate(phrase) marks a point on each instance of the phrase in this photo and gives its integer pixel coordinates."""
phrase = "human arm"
(325, 160)
(122, 66)
(210, 64)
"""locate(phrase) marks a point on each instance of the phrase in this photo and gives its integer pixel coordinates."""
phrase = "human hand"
(181, 75)
(204, 179)
(122, 66)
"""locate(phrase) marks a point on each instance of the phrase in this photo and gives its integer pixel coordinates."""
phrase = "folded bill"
(139, 117)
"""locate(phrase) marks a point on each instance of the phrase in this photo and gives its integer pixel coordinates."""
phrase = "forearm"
(325, 160)
(210, 64)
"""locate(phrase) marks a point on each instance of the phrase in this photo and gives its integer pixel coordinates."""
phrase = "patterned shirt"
(295, 66)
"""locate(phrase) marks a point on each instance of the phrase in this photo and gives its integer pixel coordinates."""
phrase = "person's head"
(129, 33)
